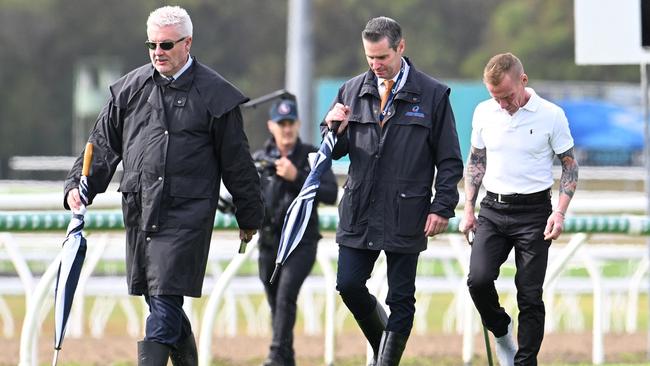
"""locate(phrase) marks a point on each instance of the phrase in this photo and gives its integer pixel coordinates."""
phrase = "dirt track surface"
(250, 351)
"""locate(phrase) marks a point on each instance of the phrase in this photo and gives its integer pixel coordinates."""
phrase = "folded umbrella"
(297, 217)
(72, 258)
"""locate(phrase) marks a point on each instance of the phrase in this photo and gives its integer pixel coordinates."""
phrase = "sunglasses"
(166, 46)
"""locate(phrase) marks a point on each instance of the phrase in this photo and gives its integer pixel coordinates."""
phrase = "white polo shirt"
(520, 148)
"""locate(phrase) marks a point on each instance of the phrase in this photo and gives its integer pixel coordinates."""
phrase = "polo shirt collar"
(533, 102)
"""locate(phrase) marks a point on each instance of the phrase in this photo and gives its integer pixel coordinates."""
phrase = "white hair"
(171, 15)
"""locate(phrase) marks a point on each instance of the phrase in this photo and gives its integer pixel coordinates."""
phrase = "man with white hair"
(177, 128)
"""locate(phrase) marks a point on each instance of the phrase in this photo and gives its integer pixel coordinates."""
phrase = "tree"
(541, 34)
(245, 41)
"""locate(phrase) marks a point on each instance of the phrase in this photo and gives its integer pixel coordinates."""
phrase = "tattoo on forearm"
(569, 178)
(475, 172)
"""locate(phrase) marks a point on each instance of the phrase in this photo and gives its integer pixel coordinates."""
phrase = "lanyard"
(393, 92)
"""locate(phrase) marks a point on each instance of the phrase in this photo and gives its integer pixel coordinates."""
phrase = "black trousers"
(283, 294)
(502, 227)
(167, 322)
(354, 269)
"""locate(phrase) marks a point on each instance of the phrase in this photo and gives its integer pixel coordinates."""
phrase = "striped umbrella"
(297, 217)
(72, 258)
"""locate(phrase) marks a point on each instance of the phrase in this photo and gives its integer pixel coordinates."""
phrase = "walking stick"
(487, 346)
(486, 337)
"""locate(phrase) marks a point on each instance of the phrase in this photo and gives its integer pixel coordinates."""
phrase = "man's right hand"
(73, 199)
(340, 113)
(247, 234)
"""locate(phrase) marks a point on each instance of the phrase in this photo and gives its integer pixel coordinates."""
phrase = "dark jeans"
(283, 294)
(354, 269)
(167, 322)
(502, 227)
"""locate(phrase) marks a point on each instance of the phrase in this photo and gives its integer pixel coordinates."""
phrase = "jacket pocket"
(190, 204)
(130, 182)
(412, 210)
(131, 198)
(350, 207)
(413, 122)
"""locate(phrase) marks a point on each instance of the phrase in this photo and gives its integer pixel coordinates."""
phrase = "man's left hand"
(554, 226)
(435, 224)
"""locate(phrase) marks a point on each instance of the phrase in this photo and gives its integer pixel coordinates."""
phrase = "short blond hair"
(500, 65)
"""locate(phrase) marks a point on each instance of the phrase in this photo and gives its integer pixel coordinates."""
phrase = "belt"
(529, 198)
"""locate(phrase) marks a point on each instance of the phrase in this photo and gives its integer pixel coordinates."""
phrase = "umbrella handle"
(470, 237)
(335, 126)
(242, 247)
(88, 158)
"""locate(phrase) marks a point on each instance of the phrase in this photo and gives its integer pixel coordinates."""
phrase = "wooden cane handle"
(88, 158)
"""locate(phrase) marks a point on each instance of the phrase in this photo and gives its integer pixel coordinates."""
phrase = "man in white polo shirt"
(515, 136)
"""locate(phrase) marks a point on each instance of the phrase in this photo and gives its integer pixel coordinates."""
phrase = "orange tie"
(384, 98)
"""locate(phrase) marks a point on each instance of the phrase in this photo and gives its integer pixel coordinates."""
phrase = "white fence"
(615, 299)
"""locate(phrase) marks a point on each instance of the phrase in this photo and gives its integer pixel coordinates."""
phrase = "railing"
(112, 220)
(455, 251)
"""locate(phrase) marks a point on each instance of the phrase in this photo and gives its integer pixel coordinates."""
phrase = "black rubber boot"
(391, 349)
(270, 362)
(152, 354)
(185, 353)
(373, 327)
(273, 362)
(280, 356)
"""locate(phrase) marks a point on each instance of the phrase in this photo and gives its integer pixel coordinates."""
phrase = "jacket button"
(370, 244)
(148, 238)
(166, 132)
(153, 226)
(159, 178)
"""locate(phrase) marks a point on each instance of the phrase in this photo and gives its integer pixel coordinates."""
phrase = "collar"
(185, 77)
(185, 67)
(533, 102)
(406, 67)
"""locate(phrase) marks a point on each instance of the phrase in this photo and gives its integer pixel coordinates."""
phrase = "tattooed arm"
(473, 179)
(568, 180)
(568, 184)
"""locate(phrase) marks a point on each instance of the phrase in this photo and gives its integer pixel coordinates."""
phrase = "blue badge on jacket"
(415, 112)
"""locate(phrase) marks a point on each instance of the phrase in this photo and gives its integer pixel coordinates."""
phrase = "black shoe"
(272, 362)
(277, 360)
(152, 354)
(391, 349)
(373, 327)
(185, 353)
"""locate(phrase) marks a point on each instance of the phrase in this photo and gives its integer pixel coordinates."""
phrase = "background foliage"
(244, 40)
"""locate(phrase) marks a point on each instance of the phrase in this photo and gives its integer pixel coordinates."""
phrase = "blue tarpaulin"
(600, 125)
